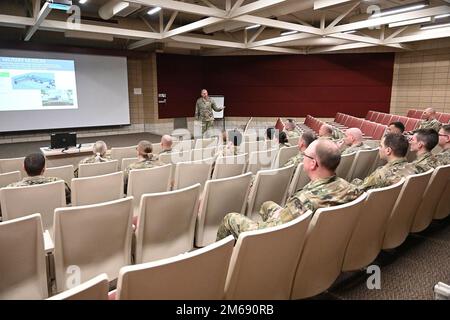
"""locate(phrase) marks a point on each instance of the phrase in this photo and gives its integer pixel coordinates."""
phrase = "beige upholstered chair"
(97, 169)
(229, 166)
(17, 202)
(269, 185)
(175, 157)
(151, 180)
(127, 161)
(205, 143)
(326, 240)
(22, 264)
(92, 239)
(12, 164)
(166, 224)
(261, 160)
(299, 180)
(93, 289)
(156, 148)
(367, 237)
(123, 152)
(431, 198)
(183, 145)
(344, 166)
(202, 154)
(402, 215)
(264, 261)
(364, 160)
(284, 155)
(97, 189)
(443, 208)
(9, 177)
(197, 275)
(63, 172)
(192, 172)
(221, 196)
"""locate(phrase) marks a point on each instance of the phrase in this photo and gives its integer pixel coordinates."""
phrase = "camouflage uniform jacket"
(151, 162)
(286, 144)
(321, 193)
(443, 157)
(386, 175)
(295, 160)
(430, 124)
(92, 159)
(295, 133)
(425, 162)
(337, 134)
(204, 109)
(31, 181)
(356, 148)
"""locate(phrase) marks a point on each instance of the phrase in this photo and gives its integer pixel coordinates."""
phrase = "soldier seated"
(422, 142)
(283, 140)
(99, 150)
(326, 132)
(444, 142)
(395, 127)
(305, 140)
(291, 129)
(320, 161)
(353, 141)
(393, 148)
(34, 165)
(166, 144)
(429, 121)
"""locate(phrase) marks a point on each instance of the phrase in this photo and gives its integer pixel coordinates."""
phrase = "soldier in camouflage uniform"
(34, 165)
(326, 132)
(145, 160)
(444, 142)
(204, 111)
(166, 144)
(430, 121)
(422, 142)
(291, 129)
(393, 148)
(353, 141)
(99, 149)
(306, 139)
(324, 190)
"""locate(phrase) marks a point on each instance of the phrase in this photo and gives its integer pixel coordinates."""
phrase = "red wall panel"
(320, 85)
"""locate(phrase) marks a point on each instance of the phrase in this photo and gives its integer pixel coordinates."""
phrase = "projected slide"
(37, 84)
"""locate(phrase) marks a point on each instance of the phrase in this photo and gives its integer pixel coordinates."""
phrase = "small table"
(62, 157)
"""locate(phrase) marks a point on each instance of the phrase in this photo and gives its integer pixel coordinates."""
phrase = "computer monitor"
(63, 140)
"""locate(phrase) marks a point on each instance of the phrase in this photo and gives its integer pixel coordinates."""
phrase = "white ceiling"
(218, 27)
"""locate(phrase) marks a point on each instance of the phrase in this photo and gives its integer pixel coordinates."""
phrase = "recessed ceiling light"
(435, 26)
(409, 22)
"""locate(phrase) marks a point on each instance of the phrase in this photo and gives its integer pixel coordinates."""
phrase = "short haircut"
(308, 137)
(328, 154)
(282, 138)
(34, 164)
(446, 128)
(235, 136)
(270, 133)
(398, 143)
(429, 137)
(145, 148)
(328, 129)
(399, 125)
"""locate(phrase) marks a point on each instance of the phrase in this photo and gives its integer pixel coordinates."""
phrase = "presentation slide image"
(42, 84)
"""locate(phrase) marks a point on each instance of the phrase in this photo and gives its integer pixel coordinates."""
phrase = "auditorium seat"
(156, 148)
(411, 113)
(269, 185)
(229, 166)
(205, 143)
(192, 172)
(175, 157)
(17, 202)
(402, 215)
(345, 164)
(152, 180)
(411, 124)
(97, 189)
(362, 163)
(166, 223)
(93, 289)
(22, 264)
(369, 115)
(443, 207)
(368, 128)
(386, 119)
(12, 164)
(123, 152)
(328, 234)
(63, 172)
(403, 119)
(9, 177)
(379, 132)
(284, 155)
(261, 160)
(202, 276)
(431, 197)
(221, 196)
(418, 114)
(395, 118)
(127, 161)
(263, 263)
(444, 118)
(183, 145)
(91, 240)
(204, 153)
(367, 237)
(97, 169)
(299, 180)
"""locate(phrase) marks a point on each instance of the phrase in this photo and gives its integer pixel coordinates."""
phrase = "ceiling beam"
(254, 7)
(171, 20)
(281, 39)
(279, 50)
(257, 33)
(343, 15)
(140, 43)
(183, 7)
(348, 46)
(191, 26)
(43, 13)
(321, 4)
(420, 36)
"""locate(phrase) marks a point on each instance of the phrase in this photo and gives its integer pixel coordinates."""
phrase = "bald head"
(429, 113)
(353, 136)
(325, 130)
(166, 142)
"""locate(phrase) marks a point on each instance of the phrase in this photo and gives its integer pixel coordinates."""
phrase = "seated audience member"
(444, 142)
(283, 140)
(291, 129)
(422, 142)
(99, 149)
(146, 159)
(271, 133)
(305, 140)
(393, 148)
(166, 144)
(320, 161)
(231, 148)
(34, 165)
(326, 132)
(396, 127)
(429, 120)
(353, 141)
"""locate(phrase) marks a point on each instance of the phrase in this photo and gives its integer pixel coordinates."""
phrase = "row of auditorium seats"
(442, 117)
(290, 257)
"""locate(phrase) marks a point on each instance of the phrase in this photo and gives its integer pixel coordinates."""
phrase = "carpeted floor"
(12, 150)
